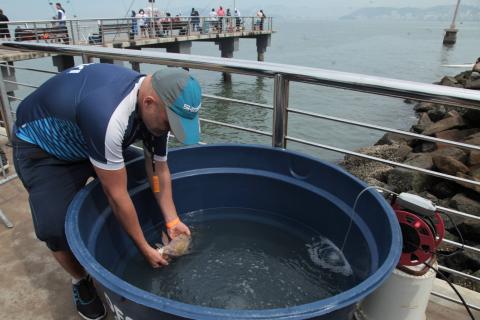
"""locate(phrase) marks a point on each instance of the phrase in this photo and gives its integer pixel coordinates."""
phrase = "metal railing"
(115, 30)
(282, 76)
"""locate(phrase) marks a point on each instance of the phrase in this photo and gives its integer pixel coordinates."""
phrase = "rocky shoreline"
(445, 122)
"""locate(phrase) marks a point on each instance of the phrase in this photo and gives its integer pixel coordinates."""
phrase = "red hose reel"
(421, 236)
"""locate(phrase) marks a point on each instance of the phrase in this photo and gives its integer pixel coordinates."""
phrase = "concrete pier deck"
(13, 55)
(33, 286)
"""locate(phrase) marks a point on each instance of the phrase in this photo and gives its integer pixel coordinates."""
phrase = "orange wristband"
(155, 184)
(172, 223)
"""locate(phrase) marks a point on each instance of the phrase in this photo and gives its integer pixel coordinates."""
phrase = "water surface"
(247, 259)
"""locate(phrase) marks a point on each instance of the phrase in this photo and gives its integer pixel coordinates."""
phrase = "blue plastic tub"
(254, 177)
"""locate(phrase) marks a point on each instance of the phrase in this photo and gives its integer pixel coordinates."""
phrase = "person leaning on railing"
(61, 140)
(4, 32)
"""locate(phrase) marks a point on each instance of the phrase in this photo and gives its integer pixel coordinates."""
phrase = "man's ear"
(149, 102)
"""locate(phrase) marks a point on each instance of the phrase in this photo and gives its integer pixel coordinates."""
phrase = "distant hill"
(437, 13)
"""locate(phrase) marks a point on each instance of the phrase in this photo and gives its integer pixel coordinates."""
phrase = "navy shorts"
(52, 184)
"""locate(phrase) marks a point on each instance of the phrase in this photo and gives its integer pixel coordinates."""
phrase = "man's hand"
(154, 258)
(178, 229)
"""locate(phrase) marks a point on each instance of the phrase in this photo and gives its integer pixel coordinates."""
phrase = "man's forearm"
(164, 195)
(125, 212)
(165, 198)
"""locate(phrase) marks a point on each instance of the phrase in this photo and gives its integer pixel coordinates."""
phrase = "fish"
(177, 247)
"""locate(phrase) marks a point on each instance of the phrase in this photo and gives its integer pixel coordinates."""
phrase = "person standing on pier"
(79, 124)
(238, 21)
(141, 20)
(220, 14)
(262, 19)
(4, 32)
(134, 23)
(195, 19)
(213, 20)
(61, 16)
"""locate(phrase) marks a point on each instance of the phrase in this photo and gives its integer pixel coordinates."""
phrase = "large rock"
(420, 160)
(444, 189)
(422, 123)
(465, 204)
(462, 260)
(449, 165)
(456, 153)
(363, 168)
(467, 185)
(437, 113)
(425, 146)
(454, 135)
(393, 138)
(454, 121)
(475, 172)
(472, 83)
(424, 106)
(474, 158)
(470, 230)
(473, 139)
(406, 180)
(472, 116)
(448, 248)
(450, 82)
(462, 77)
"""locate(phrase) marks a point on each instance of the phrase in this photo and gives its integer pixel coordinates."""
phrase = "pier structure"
(175, 35)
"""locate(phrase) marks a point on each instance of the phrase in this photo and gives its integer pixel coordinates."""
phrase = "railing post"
(78, 32)
(5, 107)
(36, 31)
(280, 113)
(101, 33)
(86, 58)
(72, 31)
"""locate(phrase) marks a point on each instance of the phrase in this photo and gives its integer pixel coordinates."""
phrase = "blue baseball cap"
(182, 96)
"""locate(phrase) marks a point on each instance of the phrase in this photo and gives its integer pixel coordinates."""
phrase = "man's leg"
(70, 264)
(51, 184)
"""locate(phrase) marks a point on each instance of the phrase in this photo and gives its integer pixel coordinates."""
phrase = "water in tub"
(246, 259)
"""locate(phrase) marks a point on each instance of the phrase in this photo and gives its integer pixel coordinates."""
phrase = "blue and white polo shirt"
(88, 112)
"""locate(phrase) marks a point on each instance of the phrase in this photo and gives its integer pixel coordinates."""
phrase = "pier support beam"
(135, 66)
(450, 36)
(180, 47)
(451, 33)
(63, 62)
(227, 47)
(263, 42)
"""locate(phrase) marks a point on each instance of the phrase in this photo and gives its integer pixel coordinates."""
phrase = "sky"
(18, 10)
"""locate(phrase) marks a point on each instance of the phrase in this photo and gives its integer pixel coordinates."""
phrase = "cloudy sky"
(40, 9)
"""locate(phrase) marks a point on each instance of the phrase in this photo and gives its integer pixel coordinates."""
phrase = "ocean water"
(395, 49)
(246, 259)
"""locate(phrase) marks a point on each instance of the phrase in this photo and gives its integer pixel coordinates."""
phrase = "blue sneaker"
(85, 297)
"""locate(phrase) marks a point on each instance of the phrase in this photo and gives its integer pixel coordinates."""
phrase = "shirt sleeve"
(103, 134)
